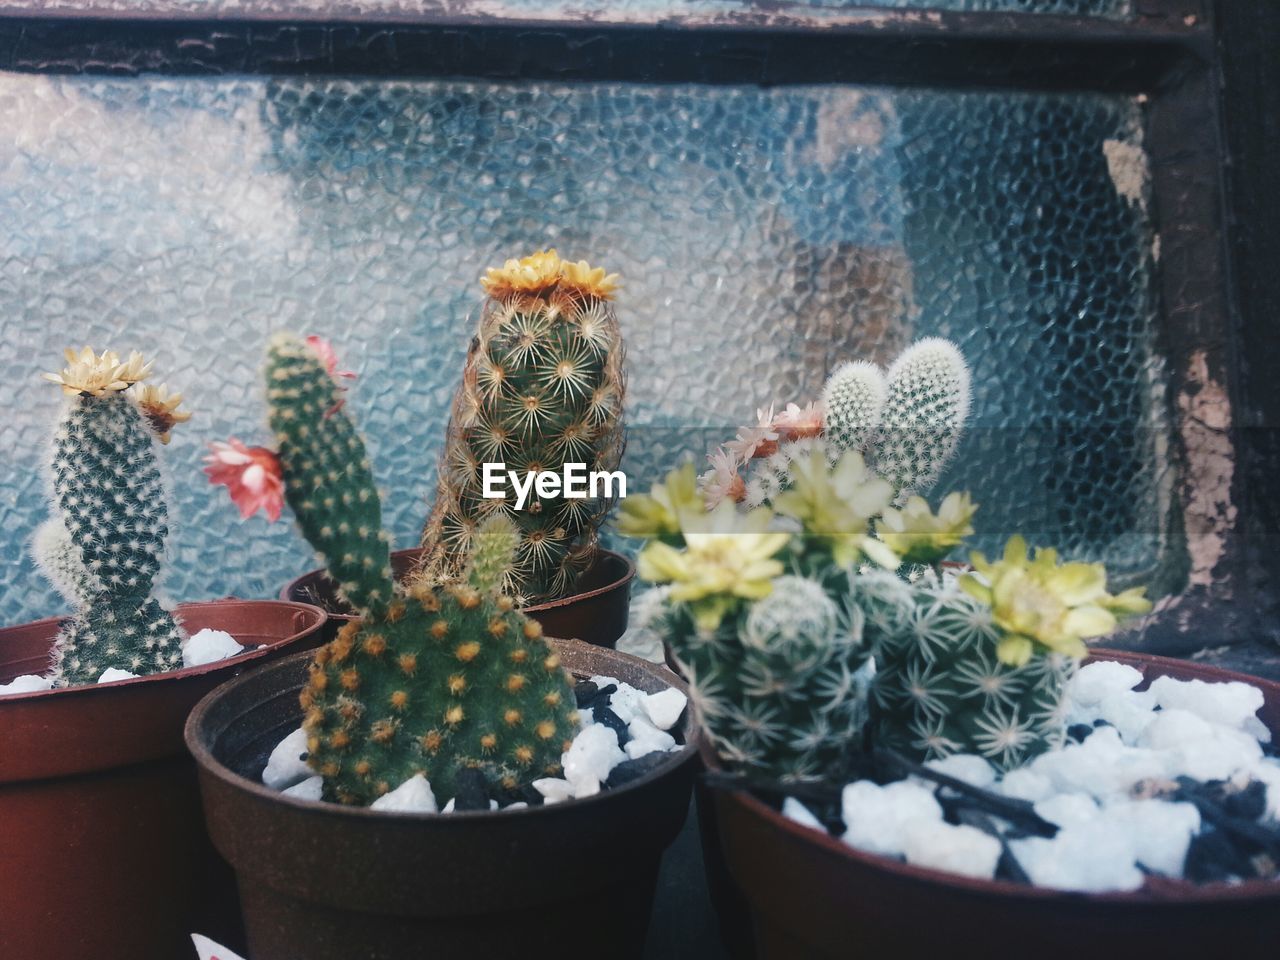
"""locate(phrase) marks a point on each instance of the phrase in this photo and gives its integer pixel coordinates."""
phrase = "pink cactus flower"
(797, 423)
(252, 475)
(758, 441)
(323, 349)
(722, 480)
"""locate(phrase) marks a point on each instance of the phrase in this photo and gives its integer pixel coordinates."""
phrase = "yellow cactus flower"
(161, 410)
(587, 280)
(918, 535)
(732, 559)
(836, 504)
(1041, 604)
(530, 274)
(656, 515)
(94, 375)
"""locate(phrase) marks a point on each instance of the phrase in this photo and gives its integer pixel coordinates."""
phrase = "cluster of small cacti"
(104, 547)
(772, 633)
(542, 387)
(430, 679)
(906, 423)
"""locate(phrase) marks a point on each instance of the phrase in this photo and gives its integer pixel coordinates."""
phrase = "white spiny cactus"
(928, 403)
(60, 562)
(854, 399)
(912, 434)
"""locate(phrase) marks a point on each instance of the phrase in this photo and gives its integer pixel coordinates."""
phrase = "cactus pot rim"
(209, 763)
(404, 560)
(1157, 892)
(248, 656)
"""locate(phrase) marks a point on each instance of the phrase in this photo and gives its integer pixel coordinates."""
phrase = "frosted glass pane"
(763, 236)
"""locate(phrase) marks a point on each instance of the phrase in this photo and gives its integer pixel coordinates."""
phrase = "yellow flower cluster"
(728, 556)
(837, 505)
(95, 375)
(1041, 604)
(541, 271)
(656, 515)
(918, 535)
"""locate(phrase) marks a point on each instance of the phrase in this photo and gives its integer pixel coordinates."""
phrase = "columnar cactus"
(909, 438)
(429, 680)
(542, 386)
(104, 549)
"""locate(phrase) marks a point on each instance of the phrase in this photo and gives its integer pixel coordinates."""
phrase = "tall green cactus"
(432, 680)
(327, 475)
(104, 549)
(543, 386)
(909, 437)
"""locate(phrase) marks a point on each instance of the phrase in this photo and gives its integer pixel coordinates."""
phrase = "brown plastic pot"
(326, 882)
(103, 852)
(810, 896)
(597, 613)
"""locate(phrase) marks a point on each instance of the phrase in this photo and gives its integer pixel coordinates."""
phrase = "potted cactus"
(891, 737)
(437, 690)
(105, 854)
(542, 387)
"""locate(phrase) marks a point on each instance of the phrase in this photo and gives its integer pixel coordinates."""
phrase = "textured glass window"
(763, 236)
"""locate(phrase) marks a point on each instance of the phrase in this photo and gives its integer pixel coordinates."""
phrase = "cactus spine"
(104, 549)
(429, 681)
(780, 687)
(912, 434)
(940, 687)
(542, 386)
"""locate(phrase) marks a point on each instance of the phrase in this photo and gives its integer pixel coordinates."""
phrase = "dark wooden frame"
(1224, 386)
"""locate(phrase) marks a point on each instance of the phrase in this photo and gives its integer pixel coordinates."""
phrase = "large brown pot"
(103, 852)
(810, 896)
(597, 613)
(324, 882)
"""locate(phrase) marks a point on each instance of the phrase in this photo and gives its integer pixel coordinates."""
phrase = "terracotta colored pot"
(103, 853)
(325, 882)
(597, 613)
(810, 896)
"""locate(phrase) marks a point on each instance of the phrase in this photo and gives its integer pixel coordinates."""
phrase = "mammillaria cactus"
(429, 680)
(912, 434)
(775, 660)
(980, 664)
(542, 387)
(104, 548)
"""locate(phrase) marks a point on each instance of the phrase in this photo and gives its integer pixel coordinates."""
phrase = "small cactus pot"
(596, 614)
(804, 894)
(330, 882)
(103, 853)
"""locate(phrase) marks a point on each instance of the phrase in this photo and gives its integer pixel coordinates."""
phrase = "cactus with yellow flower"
(542, 386)
(430, 680)
(979, 663)
(104, 547)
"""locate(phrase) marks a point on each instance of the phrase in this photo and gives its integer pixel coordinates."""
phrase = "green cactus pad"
(444, 680)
